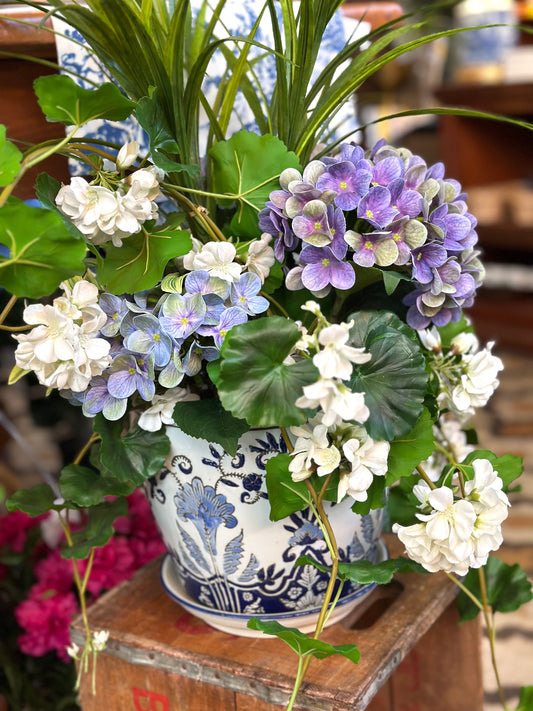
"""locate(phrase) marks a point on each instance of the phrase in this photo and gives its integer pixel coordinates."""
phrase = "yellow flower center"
(184, 320)
(343, 185)
(131, 371)
(223, 332)
(156, 337)
(325, 262)
(397, 237)
(317, 226)
(369, 245)
(369, 214)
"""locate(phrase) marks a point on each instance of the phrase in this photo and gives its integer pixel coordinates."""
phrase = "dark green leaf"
(61, 99)
(285, 495)
(34, 502)
(509, 467)
(246, 168)
(402, 503)
(392, 279)
(46, 189)
(140, 262)
(133, 457)
(98, 529)
(42, 252)
(363, 572)
(207, 419)
(507, 589)
(407, 452)
(526, 699)
(10, 159)
(394, 381)
(302, 644)
(85, 487)
(254, 383)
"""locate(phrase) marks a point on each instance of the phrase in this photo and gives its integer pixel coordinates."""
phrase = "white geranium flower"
(486, 488)
(335, 358)
(99, 640)
(64, 349)
(161, 410)
(368, 459)
(217, 258)
(431, 339)
(337, 401)
(127, 155)
(90, 207)
(312, 451)
(261, 257)
(464, 343)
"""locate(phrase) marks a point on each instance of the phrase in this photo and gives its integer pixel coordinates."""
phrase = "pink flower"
(13, 529)
(145, 551)
(113, 563)
(45, 620)
(55, 572)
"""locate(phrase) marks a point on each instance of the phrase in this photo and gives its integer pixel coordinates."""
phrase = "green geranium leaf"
(408, 451)
(509, 467)
(363, 572)
(162, 143)
(376, 497)
(10, 159)
(42, 252)
(35, 501)
(254, 383)
(85, 487)
(98, 529)
(131, 458)
(507, 589)
(526, 699)
(394, 381)
(302, 644)
(140, 262)
(246, 168)
(392, 279)
(61, 99)
(207, 419)
(285, 495)
(402, 503)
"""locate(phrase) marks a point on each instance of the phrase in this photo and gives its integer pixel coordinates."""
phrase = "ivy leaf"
(61, 99)
(10, 159)
(253, 382)
(303, 645)
(285, 495)
(363, 572)
(394, 381)
(35, 501)
(131, 458)
(526, 699)
(207, 419)
(98, 529)
(42, 253)
(85, 487)
(507, 589)
(408, 451)
(246, 168)
(140, 262)
(509, 467)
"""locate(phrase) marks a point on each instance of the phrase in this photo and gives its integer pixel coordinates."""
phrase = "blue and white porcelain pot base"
(227, 561)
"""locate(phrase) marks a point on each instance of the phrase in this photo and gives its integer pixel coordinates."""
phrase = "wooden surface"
(159, 654)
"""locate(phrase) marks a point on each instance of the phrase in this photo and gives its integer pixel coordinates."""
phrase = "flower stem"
(425, 477)
(491, 631)
(7, 308)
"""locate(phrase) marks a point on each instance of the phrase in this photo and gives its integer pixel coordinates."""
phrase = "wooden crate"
(414, 656)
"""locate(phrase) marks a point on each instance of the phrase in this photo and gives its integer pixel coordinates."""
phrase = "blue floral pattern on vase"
(213, 513)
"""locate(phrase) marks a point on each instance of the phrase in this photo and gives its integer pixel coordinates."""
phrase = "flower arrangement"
(283, 278)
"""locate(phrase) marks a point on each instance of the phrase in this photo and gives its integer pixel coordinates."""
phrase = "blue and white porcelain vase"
(227, 561)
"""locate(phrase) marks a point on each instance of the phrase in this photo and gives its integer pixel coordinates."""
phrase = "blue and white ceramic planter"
(227, 557)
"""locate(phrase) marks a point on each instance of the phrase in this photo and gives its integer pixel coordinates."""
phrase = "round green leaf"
(42, 253)
(394, 381)
(254, 383)
(10, 159)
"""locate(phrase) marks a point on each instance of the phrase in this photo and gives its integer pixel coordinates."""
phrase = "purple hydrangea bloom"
(201, 282)
(425, 258)
(349, 183)
(98, 399)
(231, 317)
(275, 223)
(192, 360)
(245, 294)
(322, 268)
(387, 170)
(182, 315)
(116, 308)
(149, 337)
(375, 207)
(313, 225)
(128, 374)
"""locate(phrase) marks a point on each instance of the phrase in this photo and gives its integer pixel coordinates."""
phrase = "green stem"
(425, 477)
(466, 591)
(298, 681)
(7, 308)
(491, 630)
(275, 303)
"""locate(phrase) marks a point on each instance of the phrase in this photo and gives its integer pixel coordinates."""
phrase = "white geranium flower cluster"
(456, 534)
(449, 434)
(220, 259)
(334, 438)
(63, 348)
(161, 410)
(467, 375)
(106, 215)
